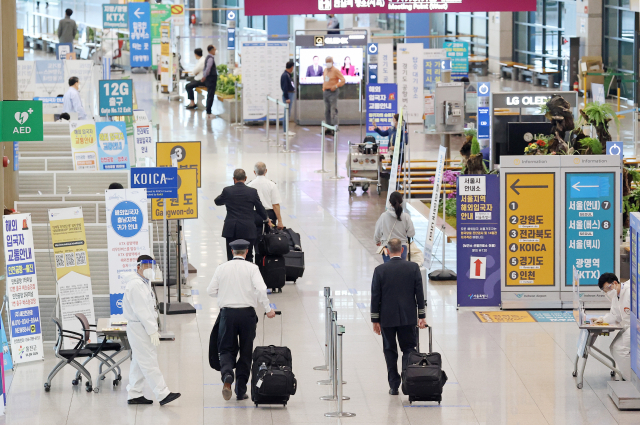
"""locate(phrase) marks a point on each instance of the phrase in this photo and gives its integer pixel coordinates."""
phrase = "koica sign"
(21, 120)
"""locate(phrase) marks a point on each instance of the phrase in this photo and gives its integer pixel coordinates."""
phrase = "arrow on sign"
(576, 187)
(138, 13)
(515, 187)
(478, 264)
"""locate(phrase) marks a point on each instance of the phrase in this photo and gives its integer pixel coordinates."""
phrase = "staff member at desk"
(620, 296)
(239, 287)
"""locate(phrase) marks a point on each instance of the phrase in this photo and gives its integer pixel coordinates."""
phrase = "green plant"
(544, 109)
(634, 173)
(598, 114)
(475, 146)
(470, 132)
(451, 207)
(226, 81)
(589, 143)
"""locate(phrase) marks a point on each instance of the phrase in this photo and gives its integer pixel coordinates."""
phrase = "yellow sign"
(187, 154)
(186, 205)
(69, 241)
(504, 316)
(177, 10)
(530, 236)
(20, 36)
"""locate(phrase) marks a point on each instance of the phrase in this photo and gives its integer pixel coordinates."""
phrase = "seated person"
(620, 296)
(195, 81)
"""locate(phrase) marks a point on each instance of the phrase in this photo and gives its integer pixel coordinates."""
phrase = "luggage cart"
(363, 166)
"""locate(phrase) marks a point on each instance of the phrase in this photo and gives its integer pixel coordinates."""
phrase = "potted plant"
(598, 115)
(225, 87)
(539, 146)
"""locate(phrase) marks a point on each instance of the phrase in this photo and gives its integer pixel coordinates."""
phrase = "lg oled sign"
(299, 7)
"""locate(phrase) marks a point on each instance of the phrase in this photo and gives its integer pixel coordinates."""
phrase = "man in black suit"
(396, 293)
(316, 69)
(240, 201)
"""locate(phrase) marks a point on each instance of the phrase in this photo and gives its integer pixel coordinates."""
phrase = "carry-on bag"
(272, 378)
(294, 239)
(273, 271)
(272, 242)
(422, 375)
(294, 265)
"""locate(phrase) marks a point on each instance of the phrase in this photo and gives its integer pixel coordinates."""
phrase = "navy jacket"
(286, 84)
(391, 132)
(240, 201)
(396, 294)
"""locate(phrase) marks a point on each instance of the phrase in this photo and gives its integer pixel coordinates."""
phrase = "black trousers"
(272, 215)
(236, 335)
(249, 251)
(407, 339)
(191, 87)
(211, 92)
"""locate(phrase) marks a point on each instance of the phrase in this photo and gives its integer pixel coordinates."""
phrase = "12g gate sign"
(116, 97)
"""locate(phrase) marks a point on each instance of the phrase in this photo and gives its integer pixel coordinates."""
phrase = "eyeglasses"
(607, 287)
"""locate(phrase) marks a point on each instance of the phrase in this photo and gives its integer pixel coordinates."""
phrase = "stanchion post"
(277, 141)
(335, 154)
(322, 139)
(235, 97)
(287, 146)
(266, 123)
(327, 329)
(339, 369)
(330, 348)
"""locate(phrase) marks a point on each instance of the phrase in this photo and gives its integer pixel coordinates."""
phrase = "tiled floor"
(498, 373)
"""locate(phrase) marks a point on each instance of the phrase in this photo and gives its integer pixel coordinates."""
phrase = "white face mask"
(148, 274)
(329, 65)
(610, 294)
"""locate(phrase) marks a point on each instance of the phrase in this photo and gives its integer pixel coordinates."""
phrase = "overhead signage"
(529, 99)
(21, 121)
(382, 105)
(386, 72)
(22, 289)
(127, 238)
(114, 16)
(458, 52)
(160, 182)
(478, 218)
(331, 40)
(589, 225)
(113, 146)
(72, 267)
(185, 205)
(115, 97)
(530, 229)
(188, 155)
(231, 30)
(140, 36)
(84, 146)
(302, 7)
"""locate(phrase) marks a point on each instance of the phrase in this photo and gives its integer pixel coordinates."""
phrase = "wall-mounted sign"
(115, 16)
(21, 120)
(139, 30)
(160, 182)
(115, 97)
(529, 99)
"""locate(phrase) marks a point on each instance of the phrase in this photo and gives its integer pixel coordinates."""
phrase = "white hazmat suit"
(139, 308)
(621, 313)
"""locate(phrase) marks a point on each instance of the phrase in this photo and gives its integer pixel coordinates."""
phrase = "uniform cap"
(239, 244)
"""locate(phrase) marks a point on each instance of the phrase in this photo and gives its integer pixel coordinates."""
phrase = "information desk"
(588, 335)
(113, 332)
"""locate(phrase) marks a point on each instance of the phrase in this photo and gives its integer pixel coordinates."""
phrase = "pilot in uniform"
(239, 287)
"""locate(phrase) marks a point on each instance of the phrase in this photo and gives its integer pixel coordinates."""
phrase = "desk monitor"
(84, 53)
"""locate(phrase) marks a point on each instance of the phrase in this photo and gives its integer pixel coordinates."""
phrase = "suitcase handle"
(430, 340)
(264, 319)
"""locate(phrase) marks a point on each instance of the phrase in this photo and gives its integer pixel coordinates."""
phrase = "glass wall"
(470, 23)
(618, 43)
(538, 35)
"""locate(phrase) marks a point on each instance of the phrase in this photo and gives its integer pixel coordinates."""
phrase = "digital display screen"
(348, 60)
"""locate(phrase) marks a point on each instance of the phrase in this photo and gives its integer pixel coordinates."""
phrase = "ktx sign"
(299, 7)
(21, 120)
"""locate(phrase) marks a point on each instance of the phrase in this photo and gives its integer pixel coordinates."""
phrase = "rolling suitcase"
(294, 265)
(273, 271)
(422, 375)
(294, 239)
(272, 378)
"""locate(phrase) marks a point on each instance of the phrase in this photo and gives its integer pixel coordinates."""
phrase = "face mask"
(610, 294)
(329, 65)
(148, 273)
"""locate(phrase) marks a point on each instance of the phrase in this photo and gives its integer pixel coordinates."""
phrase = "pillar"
(417, 24)
(500, 39)
(589, 27)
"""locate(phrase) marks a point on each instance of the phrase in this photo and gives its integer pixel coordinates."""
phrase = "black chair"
(98, 350)
(69, 356)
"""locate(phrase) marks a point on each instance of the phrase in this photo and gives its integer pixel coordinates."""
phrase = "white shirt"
(71, 102)
(139, 302)
(199, 69)
(620, 307)
(267, 190)
(239, 284)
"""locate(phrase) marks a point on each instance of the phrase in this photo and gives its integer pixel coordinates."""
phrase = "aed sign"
(530, 229)
(21, 120)
(160, 182)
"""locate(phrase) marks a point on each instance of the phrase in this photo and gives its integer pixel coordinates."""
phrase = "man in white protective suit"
(620, 296)
(139, 308)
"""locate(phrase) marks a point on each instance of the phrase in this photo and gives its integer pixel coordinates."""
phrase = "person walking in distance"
(67, 28)
(396, 296)
(210, 78)
(270, 198)
(288, 92)
(239, 287)
(332, 81)
(71, 101)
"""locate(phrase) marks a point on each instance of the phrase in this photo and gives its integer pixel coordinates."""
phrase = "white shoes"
(290, 133)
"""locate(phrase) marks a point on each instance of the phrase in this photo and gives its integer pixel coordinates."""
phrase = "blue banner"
(140, 35)
(231, 39)
(590, 226)
(25, 322)
(458, 52)
(113, 147)
(8, 362)
(433, 72)
(478, 247)
(373, 73)
(114, 16)
(382, 105)
(634, 219)
(160, 182)
(116, 97)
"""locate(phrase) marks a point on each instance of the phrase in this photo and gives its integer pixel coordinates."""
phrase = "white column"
(500, 39)
(589, 26)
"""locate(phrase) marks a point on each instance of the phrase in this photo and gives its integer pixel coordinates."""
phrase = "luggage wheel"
(352, 188)
(379, 189)
(365, 188)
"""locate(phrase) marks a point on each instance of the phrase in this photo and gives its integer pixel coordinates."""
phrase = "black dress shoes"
(170, 398)
(242, 397)
(393, 392)
(139, 400)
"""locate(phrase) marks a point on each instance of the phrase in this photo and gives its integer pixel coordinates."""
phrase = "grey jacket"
(67, 30)
(402, 230)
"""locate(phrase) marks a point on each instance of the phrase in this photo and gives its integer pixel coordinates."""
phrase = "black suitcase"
(294, 239)
(272, 378)
(422, 376)
(273, 242)
(294, 265)
(273, 271)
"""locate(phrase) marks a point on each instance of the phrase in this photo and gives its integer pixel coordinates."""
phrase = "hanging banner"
(188, 155)
(478, 247)
(127, 238)
(113, 147)
(72, 268)
(433, 212)
(84, 147)
(139, 27)
(6, 360)
(458, 52)
(159, 13)
(144, 147)
(114, 16)
(165, 56)
(386, 74)
(410, 81)
(185, 205)
(393, 176)
(22, 289)
(382, 105)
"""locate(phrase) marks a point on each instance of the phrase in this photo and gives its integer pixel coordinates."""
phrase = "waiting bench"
(479, 65)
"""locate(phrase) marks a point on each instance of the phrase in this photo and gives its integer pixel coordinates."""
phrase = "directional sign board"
(160, 182)
(187, 154)
(530, 229)
(115, 97)
(185, 204)
(140, 34)
(114, 16)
